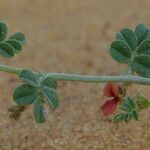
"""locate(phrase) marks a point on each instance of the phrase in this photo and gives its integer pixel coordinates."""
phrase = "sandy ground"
(71, 36)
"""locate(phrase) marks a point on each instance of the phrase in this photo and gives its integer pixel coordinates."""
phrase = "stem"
(86, 78)
(96, 79)
(10, 69)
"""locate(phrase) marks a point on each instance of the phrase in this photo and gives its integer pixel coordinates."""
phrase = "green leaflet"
(128, 117)
(24, 95)
(19, 37)
(141, 65)
(128, 105)
(120, 51)
(15, 44)
(28, 77)
(129, 37)
(144, 47)
(141, 101)
(135, 115)
(49, 82)
(120, 37)
(142, 32)
(3, 31)
(6, 50)
(48, 86)
(50, 96)
(39, 111)
(119, 117)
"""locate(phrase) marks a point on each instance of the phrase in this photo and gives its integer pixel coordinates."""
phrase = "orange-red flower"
(110, 90)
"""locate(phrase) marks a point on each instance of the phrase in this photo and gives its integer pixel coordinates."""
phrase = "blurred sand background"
(70, 36)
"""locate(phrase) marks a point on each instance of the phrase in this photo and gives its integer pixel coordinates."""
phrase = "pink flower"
(110, 90)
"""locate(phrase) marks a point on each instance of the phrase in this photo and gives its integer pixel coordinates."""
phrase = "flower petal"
(109, 106)
(111, 89)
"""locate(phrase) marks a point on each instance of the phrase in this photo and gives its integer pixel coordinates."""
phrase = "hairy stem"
(96, 79)
(10, 69)
(86, 78)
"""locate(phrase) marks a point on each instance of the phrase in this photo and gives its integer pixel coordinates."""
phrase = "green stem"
(86, 78)
(96, 79)
(10, 69)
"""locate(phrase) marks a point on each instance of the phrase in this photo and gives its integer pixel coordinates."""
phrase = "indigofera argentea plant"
(40, 89)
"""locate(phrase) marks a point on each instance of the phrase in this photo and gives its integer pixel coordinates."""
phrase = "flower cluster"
(112, 92)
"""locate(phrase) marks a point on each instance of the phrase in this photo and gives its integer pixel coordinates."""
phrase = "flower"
(110, 90)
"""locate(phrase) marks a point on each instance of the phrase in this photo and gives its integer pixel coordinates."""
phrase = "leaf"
(120, 51)
(3, 31)
(6, 50)
(141, 65)
(39, 111)
(142, 32)
(28, 77)
(127, 117)
(135, 115)
(129, 37)
(24, 95)
(129, 110)
(142, 102)
(120, 37)
(50, 96)
(15, 44)
(19, 37)
(119, 117)
(49, 82)
(128, 104)
(144, 47)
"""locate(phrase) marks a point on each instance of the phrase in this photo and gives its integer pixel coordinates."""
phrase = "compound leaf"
(3, 31)
(120, 51)
(39, 111)
(141, 65)
(24, 95)
(19, 37)
(129, 111)
(6, 50)
(28, 77)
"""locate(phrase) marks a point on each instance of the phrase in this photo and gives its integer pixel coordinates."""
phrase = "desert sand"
(71, 36)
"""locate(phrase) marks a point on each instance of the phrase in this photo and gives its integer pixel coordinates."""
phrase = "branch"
(85, 78)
